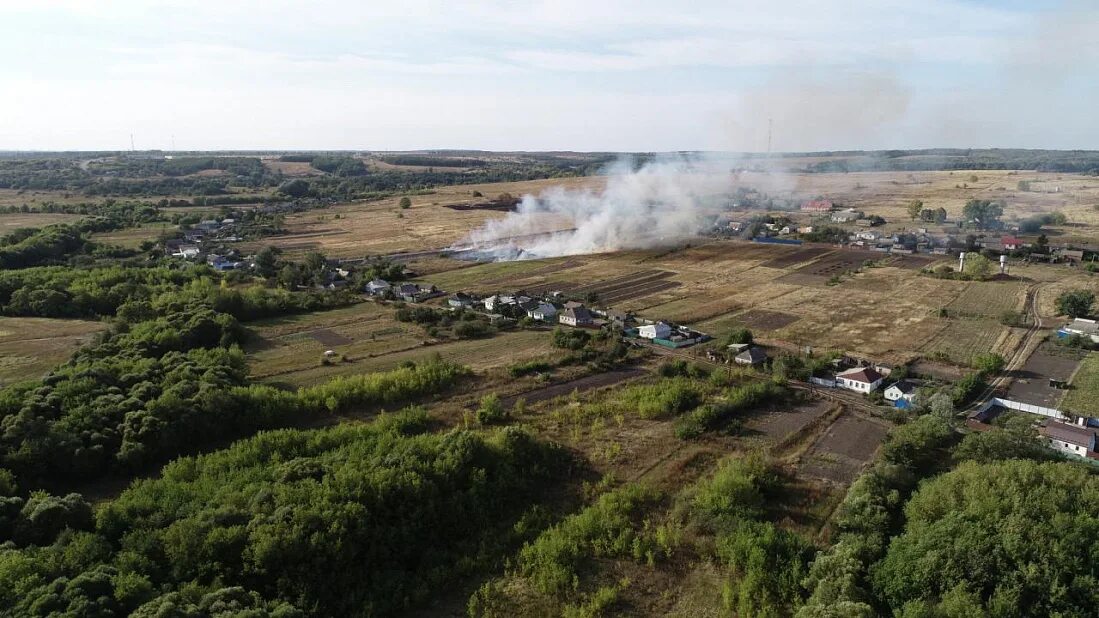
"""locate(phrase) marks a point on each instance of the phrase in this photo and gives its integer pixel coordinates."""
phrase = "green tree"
(983, 214)
(405, 203)
(294, 188)
(940, 215)
(977, 266)
(1075, 303)
(915, 207)
(267, 260)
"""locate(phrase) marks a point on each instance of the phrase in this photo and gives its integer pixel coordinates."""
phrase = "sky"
(582, 75)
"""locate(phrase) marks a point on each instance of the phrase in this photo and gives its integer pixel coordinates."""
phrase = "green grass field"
(1083, 398)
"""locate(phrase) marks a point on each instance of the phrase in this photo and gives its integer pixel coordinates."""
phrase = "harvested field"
(988, 299)
(840, 453)
(836, 263)
(762, 319)
(30, 347)
(796, 257)
(9, 222)
(912, 262)
(962, 339)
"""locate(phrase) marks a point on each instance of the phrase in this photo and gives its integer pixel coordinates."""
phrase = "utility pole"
(132, 142)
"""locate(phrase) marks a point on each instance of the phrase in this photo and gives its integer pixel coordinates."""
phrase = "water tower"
(961, 262)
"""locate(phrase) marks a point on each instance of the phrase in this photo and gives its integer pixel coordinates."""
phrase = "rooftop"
(867, 375)
(1073, 434)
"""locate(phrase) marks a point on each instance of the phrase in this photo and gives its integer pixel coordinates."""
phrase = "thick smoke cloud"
(662, 202)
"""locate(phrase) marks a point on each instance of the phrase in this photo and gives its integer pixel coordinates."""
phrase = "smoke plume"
(662, 202)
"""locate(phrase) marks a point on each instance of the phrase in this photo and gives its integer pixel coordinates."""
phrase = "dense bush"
(353, 520)
(660, 399)
(737, 401)
(1010, 538)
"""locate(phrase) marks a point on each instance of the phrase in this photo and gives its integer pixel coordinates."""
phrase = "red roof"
(866, 375)
(1010, 240)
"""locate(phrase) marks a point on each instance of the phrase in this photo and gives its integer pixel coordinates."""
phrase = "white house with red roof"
(860, 379)
(1011, 243)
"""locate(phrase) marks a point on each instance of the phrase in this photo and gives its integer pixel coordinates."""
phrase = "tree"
(738, 335)
(1075, 303)
(1023, 185)
(405, 203)
(989, 363)
(294, 188)
(984, 214)
(915, 208)
(267, 260)
(977, 266)
(940, 215)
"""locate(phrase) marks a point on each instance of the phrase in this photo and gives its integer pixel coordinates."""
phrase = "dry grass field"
(9, 222)
(132, 238)
(290, 349)
(30, 347)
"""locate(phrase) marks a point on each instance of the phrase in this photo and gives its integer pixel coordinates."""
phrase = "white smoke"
(662, 202)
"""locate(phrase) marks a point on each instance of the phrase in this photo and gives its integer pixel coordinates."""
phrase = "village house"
(413, 293)
(543, 312)
(188, 252)
(377, 287)
(1070, 439)
(1011, 243)
(461, 300)
(751, 356)
(846, 216)
(659, 330)
(868, 235)
(1081, 327)
(902, 393)
(575, 316)
(859, 379)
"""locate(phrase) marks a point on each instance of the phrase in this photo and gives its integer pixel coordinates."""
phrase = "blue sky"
(566, 74)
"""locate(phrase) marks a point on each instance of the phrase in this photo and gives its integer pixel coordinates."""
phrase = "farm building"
(751, 356)
(847, 216)
(461, 300)
(575, 316)
(377, 287)
(414, 293)
(1070, 439)
(901, 393)
(543, 312)
(859, 379)
(659, 330)
(1081, 327)
(1011, 243)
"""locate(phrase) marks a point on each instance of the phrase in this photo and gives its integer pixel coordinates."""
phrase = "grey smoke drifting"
(663, 202)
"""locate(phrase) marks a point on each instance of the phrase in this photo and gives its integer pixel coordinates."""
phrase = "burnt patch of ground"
(779, 424)
(1030, 384)
(497, 205)
(762, 319)
(842, 450)
(796, 257)
(912, 262)
(585, 383)
(821, 271)
(329, 338)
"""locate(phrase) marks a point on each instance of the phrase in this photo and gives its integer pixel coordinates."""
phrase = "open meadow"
(30, 347)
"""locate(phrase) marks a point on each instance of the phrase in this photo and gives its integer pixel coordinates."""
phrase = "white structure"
(901, 390)
(660, 330)
(1070, 439)
(867, 235)
(859, 379)
(543, 312)
(575, 316)
(377, 287)
(1084, 328)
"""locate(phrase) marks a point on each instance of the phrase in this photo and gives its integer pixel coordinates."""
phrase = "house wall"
(1068, 448)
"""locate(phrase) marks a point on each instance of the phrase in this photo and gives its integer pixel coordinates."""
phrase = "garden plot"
(841, 452)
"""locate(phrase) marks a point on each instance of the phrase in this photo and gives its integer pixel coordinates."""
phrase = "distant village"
(210, 241)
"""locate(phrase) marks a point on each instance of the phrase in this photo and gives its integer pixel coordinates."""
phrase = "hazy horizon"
(548, 76)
